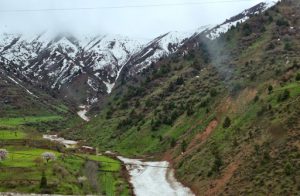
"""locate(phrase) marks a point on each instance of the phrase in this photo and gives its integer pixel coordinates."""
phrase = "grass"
(106, 163)
(22, 156)
(63, 172)
(27, 119)
(9, 134)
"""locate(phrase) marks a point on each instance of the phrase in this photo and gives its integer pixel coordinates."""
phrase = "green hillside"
(226, 114)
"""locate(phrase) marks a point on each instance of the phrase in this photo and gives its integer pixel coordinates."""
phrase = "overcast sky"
(134, 18)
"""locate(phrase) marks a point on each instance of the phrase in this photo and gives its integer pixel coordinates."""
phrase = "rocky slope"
(81, 69)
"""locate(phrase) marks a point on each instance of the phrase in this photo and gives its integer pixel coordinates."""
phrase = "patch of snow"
(29, 92)
(92, 84)
(154, 178)
(216, 32)
(109, 86)
(82, 113)
(66, 143)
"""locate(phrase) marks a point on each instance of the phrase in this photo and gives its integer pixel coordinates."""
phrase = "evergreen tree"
(227, 122)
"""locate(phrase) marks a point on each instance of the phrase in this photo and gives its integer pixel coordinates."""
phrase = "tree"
(282, 22)
(288, 46)
(226, 123)
(270, 89)
(288, 169)
(81, 180)
(173, 143)
(283, 96)
(217, 163)
(213, 92)
(48, 156)
(298, 77)
(256, 98)
(43, 183)
(3, 154)
(183, 146)
(247, 29)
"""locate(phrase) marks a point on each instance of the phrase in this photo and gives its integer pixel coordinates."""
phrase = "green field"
(23, 168)
(9, 134)
(27, 119)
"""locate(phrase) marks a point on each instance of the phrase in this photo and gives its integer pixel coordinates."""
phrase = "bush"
(197, 65)
(183, 146)
(288, 169)
(270, 89)
(256, 98)
(283, 96)
(173, 143)
(155, 124)
(247, 29)
(43, 183)
(281, 22)
(270, 46)
(288, 46)
(213, 92)
(298, 77)
(179, 81)
(226, 123)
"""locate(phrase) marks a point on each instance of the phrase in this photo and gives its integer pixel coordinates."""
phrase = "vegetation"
(225, 111)
(227, 107)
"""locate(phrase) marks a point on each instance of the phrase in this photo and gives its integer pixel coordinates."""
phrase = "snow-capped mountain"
(66, 64)
(240, 18)
(160, 47)
(83, 69)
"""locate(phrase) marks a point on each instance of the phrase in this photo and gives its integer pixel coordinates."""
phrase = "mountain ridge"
(85, 70)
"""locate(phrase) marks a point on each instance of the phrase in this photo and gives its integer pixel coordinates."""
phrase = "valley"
(215, 111)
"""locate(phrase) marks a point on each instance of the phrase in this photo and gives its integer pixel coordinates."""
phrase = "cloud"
(144, 21)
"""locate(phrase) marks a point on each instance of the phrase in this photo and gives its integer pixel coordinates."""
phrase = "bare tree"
(90, 171)
(3, 154)
(48, 156)
(81, 180)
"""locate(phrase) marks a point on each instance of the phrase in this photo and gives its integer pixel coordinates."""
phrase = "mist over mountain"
(95, 110)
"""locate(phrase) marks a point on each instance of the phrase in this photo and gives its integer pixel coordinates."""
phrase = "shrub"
(226, 123)
(270, 89)
(256, 98)
(281, 22)
(288, 46)
(283, 96)
(189, 109)
(247, 29)
(263, 29)
(183, 146)
(298, 77)
(43, 183)
(288, 169)
(213, 92)
(197, 65)
(270, 46)
(217, 163)
(173, 143)
(179, 81)
(155, 124)
(270, 19)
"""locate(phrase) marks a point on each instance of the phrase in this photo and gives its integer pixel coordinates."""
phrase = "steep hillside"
(224, 111)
